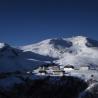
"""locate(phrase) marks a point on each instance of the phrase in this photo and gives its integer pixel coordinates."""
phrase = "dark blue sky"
(28, 21)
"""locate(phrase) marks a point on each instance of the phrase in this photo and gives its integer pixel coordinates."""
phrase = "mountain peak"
(79, 37)
(2, 45)
(78, 40)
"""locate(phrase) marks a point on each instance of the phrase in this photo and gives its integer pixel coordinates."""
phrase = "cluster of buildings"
(56, 70)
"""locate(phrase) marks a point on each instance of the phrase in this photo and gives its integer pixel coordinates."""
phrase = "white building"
(58, 73)
(84, 68)
(68, 68)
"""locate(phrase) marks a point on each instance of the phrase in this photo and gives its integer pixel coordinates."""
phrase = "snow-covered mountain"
(76, 51)
(13, 59)
(8, 57)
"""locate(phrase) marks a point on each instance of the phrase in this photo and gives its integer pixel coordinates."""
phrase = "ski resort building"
(49, 70)
(89, 67)
(68, 68)
(84, 68)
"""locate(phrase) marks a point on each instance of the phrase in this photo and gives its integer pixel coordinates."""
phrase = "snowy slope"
(77, 50)
(12, 59)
